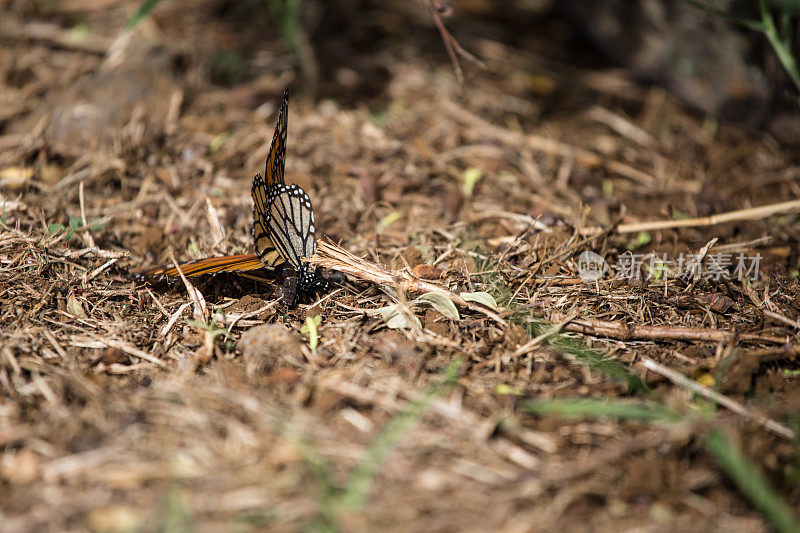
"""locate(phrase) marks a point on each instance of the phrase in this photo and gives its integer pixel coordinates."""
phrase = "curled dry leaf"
(112, 355)
(717, 302)
(427, 272)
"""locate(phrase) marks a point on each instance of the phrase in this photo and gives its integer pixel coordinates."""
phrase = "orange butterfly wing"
(266, 255)
(276, 160)
(211, 265)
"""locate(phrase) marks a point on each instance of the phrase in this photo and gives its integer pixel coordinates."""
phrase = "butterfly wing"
(212, 265)
(276, 160)
(262, 239)
(290, 224)
(266, 255)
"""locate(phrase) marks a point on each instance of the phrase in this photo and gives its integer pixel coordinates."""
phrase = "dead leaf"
(427, 272)
(717, 302)
(74, 307)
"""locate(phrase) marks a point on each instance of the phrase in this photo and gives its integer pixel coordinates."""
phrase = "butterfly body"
(284, 231)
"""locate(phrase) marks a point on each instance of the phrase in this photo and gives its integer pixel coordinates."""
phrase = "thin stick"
(779, 317)
(448, 40)
(751, 213)
(132, 350)
(89, 238)
(50, 337)
(624, 331)
(174, 318)
(621, 125)
(452, 46)
(676, 377)
(252, 313)
(194, 294)
(334, 257)
(97, 271)
(158, 304)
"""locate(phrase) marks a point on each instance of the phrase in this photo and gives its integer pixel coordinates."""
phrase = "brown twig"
(751, 213)
(676, 377)
(93, 341)
(622, 126)
(334, 257)
(451, 45)
(623, 331)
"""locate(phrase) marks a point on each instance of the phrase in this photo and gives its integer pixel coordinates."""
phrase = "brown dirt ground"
(95, 437)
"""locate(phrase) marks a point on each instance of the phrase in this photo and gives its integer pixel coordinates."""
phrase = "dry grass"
(126, 407)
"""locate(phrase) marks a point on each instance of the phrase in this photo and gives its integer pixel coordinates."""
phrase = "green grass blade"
(747, 23)
(595, 408)
(361, 478)
(751, 483)
(144, 9)
(775, 40)
(174, 513)
(599, 361)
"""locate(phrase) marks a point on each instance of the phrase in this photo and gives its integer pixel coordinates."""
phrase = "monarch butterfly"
(283, 229)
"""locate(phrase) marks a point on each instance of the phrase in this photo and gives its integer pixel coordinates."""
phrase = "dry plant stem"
(52, 339)
(102, 268)
(448, 40)
(623, 331)
(89, 238)
(252, 313)
(451, 45)
(174, 318)
(199, 306)
(158, 303)
(334, 257)
(217, 231)
(90, 252)
(131, 350)
(676, 377)
(779, 317)
(751, 213)
(622, 126)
